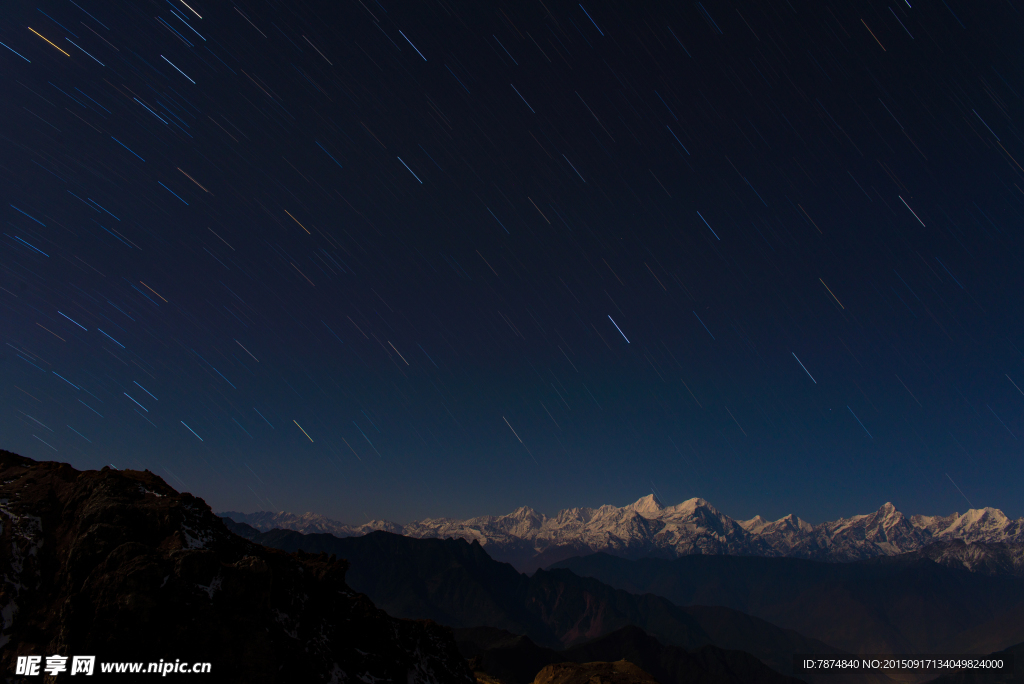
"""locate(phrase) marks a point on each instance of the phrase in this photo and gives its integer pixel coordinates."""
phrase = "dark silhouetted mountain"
(514, 659)
(452, 582)
(241, 529)
(472, 641)
(517, 660)
(646, 529)
(456, 583)
(900, 604)
(119, 565)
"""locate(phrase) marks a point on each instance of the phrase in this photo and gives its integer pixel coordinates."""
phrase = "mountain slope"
(645, 528)
(119, 565)
(902, 604)
(456, 583)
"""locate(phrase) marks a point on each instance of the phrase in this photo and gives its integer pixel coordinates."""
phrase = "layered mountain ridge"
(646, 528)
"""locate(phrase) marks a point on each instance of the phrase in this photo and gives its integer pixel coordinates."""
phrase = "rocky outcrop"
(517, 660)
(619, 672)
(119, 565)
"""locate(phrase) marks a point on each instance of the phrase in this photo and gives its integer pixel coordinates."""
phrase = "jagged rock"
(619, 672)
(517, 660)
(119, 565)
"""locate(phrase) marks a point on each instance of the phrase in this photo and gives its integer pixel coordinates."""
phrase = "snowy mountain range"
(645, 528)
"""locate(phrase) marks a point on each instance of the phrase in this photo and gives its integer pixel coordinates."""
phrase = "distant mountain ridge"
(908, 603)
(456, 583)
(528, 539)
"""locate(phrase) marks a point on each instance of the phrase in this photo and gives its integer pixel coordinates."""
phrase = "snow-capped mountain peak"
(523, 513)
(754, 525)
(646, 505)
(789, 523)
(521, 522)
(983, 524)
(934, 524)
(691, 505)
(646, 527)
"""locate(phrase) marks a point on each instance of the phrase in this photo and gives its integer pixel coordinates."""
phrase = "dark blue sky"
(382, 259)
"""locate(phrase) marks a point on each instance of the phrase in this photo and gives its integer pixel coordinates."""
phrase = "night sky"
(417, 259)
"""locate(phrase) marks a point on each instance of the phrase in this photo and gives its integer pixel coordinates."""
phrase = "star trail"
(381, 259)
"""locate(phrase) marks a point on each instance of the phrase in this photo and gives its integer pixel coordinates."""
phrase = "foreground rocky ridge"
(636, 658)
(119, 565)
(529, 540)
(619, 672)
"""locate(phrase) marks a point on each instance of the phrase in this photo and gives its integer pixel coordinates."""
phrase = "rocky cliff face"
(119, 565)
(529, 540)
